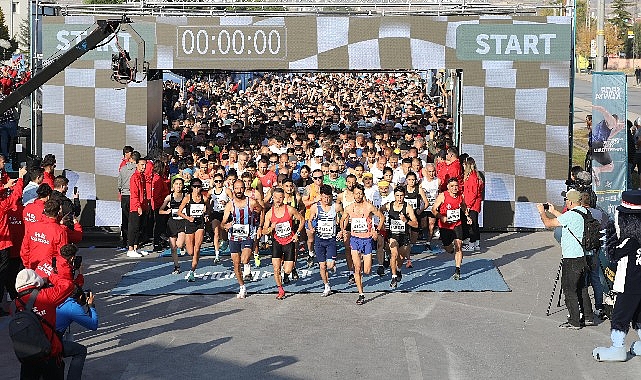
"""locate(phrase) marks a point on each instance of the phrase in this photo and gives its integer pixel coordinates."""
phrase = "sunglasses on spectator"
(317, 178)
(273, 162)
(334, 171)
(197, 186)
(218, 181)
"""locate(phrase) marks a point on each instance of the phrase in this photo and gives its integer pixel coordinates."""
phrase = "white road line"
(413, 361)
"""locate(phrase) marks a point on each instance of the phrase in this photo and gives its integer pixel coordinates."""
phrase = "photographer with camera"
(79, 308)
(574, 265)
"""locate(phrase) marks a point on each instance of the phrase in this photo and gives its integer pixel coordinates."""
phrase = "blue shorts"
(325, 249)
(362, 245)
(238, 246)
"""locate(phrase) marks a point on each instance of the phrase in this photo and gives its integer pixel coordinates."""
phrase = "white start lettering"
(67, 38)
(639, 257)
(506, 44)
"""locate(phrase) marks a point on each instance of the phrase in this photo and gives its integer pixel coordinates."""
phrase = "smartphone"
(75, 189)
(77, 262)
(546, 206)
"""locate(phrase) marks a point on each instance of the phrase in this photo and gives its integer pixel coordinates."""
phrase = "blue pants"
(8, 130)
(593, 277)
(78, 353)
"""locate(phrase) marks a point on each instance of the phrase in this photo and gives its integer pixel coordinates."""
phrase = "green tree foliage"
(24, 37)
(6, 52)
(621, 17)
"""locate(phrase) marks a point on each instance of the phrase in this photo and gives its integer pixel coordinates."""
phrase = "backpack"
(30, 342)
(591, 231)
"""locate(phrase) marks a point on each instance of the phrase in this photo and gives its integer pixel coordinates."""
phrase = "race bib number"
(453, 216)
(412, 202)
(196, 210)
(206, 185)
(174, 213)
(359, 225)
(219, 206)
(301, 190)
(431, 195)
(325, 228)
(240, 231)
(283, 229)
(396, 226)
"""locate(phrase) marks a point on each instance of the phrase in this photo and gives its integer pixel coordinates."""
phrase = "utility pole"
(600, 34)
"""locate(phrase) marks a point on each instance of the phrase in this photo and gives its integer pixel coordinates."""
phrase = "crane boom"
(103, 30)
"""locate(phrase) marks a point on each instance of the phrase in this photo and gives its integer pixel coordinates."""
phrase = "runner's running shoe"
(256, 260)
(191, 277)
(361, 299)
(176, 270)
(380, 271)
(242, 293)
(394, 283)
(281, 293)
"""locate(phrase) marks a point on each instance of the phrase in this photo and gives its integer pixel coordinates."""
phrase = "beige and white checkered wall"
(514, 112)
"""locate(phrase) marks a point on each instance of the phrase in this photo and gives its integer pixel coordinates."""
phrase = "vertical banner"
(608, 139)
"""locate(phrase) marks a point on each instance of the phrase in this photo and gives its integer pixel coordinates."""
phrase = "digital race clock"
(234, 42)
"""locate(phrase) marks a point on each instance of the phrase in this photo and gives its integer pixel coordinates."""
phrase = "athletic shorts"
(238, 246)
(601, 156)
(325, 249)
(362, 245)
(217, 215)
(175, 226)
(285, 252)
(401, 239)
(448, 235)
(191, 228)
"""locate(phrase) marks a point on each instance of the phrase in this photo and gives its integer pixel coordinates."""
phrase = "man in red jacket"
(450, 168)
(33, 212)
(44, 240)
(8, 265)
(45, 305)
(139, 205)
(49, 165)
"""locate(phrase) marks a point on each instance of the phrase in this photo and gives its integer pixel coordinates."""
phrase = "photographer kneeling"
(78, 308)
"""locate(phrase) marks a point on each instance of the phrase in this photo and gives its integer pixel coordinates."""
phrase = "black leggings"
(474, 231)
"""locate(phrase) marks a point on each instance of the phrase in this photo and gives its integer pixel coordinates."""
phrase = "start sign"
(513, 42)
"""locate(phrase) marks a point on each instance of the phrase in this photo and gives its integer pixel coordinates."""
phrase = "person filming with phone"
(79, 308)
(70, 209)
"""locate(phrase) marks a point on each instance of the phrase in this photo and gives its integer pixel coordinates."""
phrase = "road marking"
(413, 361)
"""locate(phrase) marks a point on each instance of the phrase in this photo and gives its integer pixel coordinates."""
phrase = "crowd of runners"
(303, 163)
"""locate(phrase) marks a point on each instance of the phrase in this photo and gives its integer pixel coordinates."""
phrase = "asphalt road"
(393, 335)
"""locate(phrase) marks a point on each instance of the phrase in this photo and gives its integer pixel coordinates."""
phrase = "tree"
(10, 45)
(24, 37)
(621, 17)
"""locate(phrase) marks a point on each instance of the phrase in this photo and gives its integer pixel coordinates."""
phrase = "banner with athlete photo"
(608, 139)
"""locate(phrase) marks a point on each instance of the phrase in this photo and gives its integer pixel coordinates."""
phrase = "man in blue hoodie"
(78, 308)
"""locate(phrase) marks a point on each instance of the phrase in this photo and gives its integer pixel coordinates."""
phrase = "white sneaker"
(143, 253)
(133, 254)
(181, 252)
(437, 234)
(477, 246)
(468, 248)
(242, 293)
(327, 291)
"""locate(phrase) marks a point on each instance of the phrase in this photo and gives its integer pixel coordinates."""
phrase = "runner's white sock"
(246, 269)
(394, 276)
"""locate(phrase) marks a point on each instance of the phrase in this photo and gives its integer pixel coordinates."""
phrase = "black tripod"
(556, 281)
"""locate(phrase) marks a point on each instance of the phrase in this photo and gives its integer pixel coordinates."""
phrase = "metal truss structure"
(299, 7)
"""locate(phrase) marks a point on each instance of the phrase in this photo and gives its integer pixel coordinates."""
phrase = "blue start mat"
(432, 273)
(340, 249)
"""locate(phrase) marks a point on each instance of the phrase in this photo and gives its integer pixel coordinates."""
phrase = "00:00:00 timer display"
(238, 43)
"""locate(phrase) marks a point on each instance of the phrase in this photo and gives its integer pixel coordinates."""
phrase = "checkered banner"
(515, 98)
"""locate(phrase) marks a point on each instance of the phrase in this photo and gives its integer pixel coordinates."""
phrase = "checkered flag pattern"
(514, 113)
